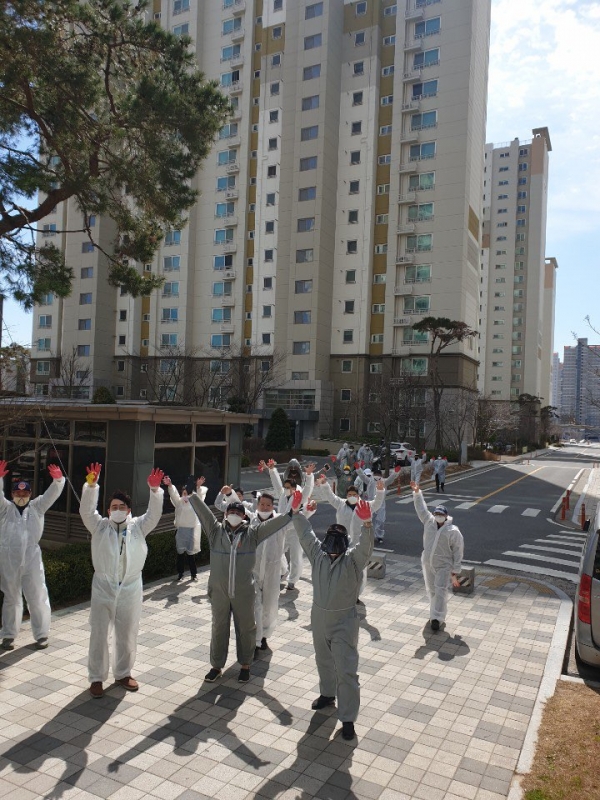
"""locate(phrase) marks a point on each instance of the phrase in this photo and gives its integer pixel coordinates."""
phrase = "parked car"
(587, 598)
(572, 441)
(401, 452)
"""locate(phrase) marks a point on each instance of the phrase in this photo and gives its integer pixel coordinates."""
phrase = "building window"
(122, 315)
(85, 298)
(427, 28)
(361, 9)
(308, 133)
(87, 272)
(303, 287)
(270, 199)
(351, 276)
(377, 338)
(349, 306)
(44, 344)
(378, 308)
(421, 212)
(83, 350)
(426, 58)
(308, 163)
(87, 247)
(428, 119)
(385, 130)
(302, 317)
(267, 311)
(274, 88)
(270, 226)
(310, 103)
(419, 152)
(307, 193)
(416, 305)
(269, 255)
(383, 188)
(231, 25)
(380, 249)
(387, 100)
(382, 219)
(389, 40)
(348, 336)
(359, 38)
(310, 42)
(358, 68)
(314, 10)
(309, 73)
(426, 89)
(355, 157)
(376, 369)
(386, 71)
(274, 115)
(346, 366)
(354, 187)
(390, 11)
(357, 98)
(345, 395)
(306, 224)
(272, 171)
(379, 277)
(356, 128)
(42, 368)
(300, 348)
(383, 160)
(344, 424)
(304, 256)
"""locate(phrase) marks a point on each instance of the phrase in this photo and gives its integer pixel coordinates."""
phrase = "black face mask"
(336, 540)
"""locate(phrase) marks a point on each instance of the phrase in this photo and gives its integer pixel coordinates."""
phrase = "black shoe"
(322, 702)
(7, 643)
(435, 625)
(291, 587)
(244, 675)
(263, 644)
(41, 644)
(348, 731)
(378, 540)
(212, 676)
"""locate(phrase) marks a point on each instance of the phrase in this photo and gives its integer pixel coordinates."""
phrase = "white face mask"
(118, 516)
(353, 499)
(234, 520)
(264, 514)
(288, 492)
(439, 518)
(21, 501)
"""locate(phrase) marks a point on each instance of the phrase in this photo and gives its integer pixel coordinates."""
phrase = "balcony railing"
(411, 105)
(410, 197)
(232, 168)
(407, 227)
(403, 289)
(229, 247)
(406, 258)
(410, 166)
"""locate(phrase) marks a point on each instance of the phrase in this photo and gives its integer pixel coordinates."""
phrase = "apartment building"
(340, 204)
(517, 280)
(580, 387)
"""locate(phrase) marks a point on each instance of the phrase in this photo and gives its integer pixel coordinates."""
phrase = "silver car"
(587, 600)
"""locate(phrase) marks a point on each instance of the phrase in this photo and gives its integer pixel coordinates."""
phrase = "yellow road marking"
(508, 485)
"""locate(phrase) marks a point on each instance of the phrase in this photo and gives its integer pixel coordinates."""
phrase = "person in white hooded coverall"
(439, 471)
(188, 536)
(442, 555)
(267, 574)
(21, 566)
(371, 479)
(416, 467)
(292, 478)
(336, 575)
(345, 512)
(119, 552)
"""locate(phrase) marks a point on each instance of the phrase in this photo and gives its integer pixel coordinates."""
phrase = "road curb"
(552, 674)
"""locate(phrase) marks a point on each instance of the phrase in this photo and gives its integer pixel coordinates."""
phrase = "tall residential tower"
(340, 204)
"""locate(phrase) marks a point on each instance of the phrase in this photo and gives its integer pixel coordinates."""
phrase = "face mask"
(118, 516)
(21, 501)
(264, 514)
(185, 498)
(288, 492)
(439, 518)
(234, 520)
(353, 500)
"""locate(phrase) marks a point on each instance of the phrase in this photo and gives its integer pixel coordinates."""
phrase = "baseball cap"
(368, 472)
(21, 486)
(237, 506)
(440, 510)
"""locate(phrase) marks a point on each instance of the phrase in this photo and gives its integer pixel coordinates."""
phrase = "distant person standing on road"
(439, 471)
(441, 559)
(416, 467)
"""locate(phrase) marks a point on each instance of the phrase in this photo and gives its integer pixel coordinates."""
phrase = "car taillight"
(584, 605)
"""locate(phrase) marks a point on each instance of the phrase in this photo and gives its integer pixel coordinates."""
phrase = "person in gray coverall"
(233, 544)
(336, 576)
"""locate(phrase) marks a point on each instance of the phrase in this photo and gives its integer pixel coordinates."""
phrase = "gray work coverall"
(231, 581)
(334, 619)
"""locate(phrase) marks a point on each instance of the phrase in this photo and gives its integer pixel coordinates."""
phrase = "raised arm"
(423, 513)
(306, 536)
(393, 476)
(173, 495)
(308, 488)
(151, 518)
(53, 492)
(362, 552)
(329, 496)
(275, 478)
(5, 503)
(89, 501)
(270, 527)
(379, 498)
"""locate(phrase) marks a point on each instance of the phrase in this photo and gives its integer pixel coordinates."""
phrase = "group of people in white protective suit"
(247, 566)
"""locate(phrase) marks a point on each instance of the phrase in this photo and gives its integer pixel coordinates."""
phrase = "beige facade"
(518, 281)
(340, 205)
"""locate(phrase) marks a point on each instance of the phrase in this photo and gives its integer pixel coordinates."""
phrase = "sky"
(544, 72)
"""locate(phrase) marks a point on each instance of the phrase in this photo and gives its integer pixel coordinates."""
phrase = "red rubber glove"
(55, 472)
(271, 464)
(296, 500)
(93, 473)
(155, 478)
(3, 469)
(333, 458)
(362, 463)
(356, 465)
(363, 510)
(397, 468)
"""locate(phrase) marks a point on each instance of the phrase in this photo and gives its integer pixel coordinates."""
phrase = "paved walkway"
(444, 716)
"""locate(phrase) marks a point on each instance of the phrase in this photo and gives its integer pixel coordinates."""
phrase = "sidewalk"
(444, 716)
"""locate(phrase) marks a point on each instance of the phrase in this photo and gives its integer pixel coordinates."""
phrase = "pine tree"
(279, 435)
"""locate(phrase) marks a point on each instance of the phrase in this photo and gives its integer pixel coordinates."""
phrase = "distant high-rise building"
(580, 386)
(340, 205)
(518, 281)
(556, 381)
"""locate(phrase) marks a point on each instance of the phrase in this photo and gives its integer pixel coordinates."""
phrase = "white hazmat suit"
(117, 584)
(292, 544)
(188, 536)
(441, 558)
(21, 566)
(267, 575)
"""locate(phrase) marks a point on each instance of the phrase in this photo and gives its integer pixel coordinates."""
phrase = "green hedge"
(69, 570)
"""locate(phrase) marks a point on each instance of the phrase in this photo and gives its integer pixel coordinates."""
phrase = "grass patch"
(566, 765)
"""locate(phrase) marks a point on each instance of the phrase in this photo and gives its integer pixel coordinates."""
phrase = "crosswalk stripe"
(559, 541)
(551, 573)
(496, 509)
(531, 512)
(576, 542)
(466, 505)
(535, 557)
(550, 549)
